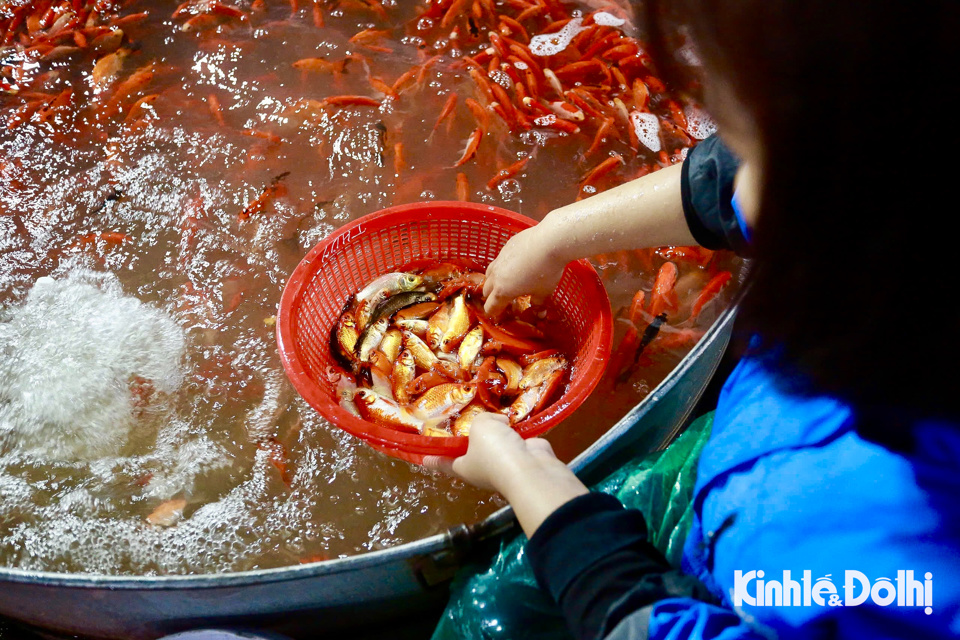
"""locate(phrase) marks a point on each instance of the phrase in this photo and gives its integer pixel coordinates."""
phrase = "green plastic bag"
(502, 601)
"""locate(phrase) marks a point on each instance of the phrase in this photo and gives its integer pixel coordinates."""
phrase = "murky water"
(152, 205)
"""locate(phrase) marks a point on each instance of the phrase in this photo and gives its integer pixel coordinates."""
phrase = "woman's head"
(846, 107)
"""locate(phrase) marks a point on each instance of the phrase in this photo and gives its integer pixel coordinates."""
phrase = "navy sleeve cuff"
(707, 193)
(591, 552)
(580, 534)
(593, 557)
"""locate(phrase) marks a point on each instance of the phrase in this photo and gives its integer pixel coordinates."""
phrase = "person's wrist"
(556, 244)
(512, 470)
(528, 469)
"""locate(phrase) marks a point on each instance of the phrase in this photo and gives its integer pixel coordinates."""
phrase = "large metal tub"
(337, 594)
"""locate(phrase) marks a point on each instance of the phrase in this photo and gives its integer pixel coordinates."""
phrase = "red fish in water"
(709, 292)
(473, 143)
(662, 288)
(274, 189)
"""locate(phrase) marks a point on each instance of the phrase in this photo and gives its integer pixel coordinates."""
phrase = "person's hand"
(525, 472)
(528, 263)
(495, 453)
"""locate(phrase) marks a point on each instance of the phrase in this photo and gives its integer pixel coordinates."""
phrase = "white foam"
(549, 44)
(647, 127)
(67, 357)
(605, 19)
(183, 456)
(700, 125)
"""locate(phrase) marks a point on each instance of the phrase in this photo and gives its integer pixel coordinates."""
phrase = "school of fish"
(420, 355)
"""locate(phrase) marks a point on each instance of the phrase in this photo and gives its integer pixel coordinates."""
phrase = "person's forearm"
(646, 212)
(536, 487)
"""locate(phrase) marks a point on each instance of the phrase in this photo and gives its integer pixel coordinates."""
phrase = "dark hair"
(852, 290)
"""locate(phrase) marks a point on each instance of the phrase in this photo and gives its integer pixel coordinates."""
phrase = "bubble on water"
(509, 189)
(699, 123)
(78, 501)
(13, 490)
(549, 44)
(356, 151)
(647, 127)
(501, 78)
(224, 534)
(313, 235)
(608, 19)
(262, 419)
(70, 353)
(641, 387)
(535, 138)
(185, 457)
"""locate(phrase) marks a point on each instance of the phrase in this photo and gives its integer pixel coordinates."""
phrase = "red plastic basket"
(389, 240)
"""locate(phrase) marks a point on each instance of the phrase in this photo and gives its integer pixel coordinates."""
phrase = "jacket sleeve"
(683, 619)
(688, 619)
(593, 557)
(707, 192)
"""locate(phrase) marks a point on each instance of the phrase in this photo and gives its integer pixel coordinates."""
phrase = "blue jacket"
(785, 483)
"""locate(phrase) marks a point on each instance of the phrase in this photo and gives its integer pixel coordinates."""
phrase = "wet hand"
(525, 472)
(526, 264)
(496, 453)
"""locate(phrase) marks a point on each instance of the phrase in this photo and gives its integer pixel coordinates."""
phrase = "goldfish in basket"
(415, 349)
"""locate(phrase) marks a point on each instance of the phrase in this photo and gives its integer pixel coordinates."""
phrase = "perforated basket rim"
(414, 445)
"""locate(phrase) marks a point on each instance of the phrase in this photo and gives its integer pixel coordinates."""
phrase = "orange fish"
(370, 339)
(107, 68)
(168, 513)
(404, 372)
(426, 381)
(458, 325)
(391, 344)
(513, 372)
(418, 327)
(424, 357)
(470, 348)
(437, 326)
(442, 402)
(662, 288)
(473, 143)
(417, 311)
(377, 409)
(534, 399)
(272, 190)
(537, 372)
(319, 65)
(461, 426)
